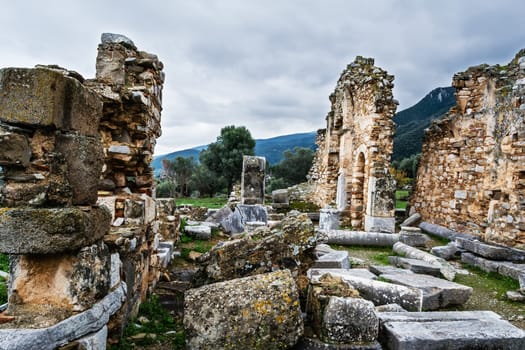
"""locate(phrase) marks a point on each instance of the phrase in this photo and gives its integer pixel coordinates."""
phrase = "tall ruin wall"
(76, 209)
(471, 177)
(351, 166)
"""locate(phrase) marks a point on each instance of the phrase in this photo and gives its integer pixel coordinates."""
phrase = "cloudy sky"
(268, 65)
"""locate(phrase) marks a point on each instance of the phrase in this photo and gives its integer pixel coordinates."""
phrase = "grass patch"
(212, 203)
(4, 262)
(401, 204)
(402, 199)
(491, 282)
(3, 291)
(381, 258)
(160, 322)
(402, 194)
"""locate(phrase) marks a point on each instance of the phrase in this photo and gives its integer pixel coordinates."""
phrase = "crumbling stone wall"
(472, 173)
(129, 82)
(76, 212)
(351, 166)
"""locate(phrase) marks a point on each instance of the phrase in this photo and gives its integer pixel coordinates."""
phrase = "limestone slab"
(387, 269)
(337, 259)
(315, 273)
(490, 251)
(381, 293)
(48, 231)
(42, 97)
(198, 232)
(437, 293)
(454, 331)
(415, 265)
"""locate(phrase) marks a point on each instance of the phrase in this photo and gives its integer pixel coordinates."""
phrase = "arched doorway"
(357, 209)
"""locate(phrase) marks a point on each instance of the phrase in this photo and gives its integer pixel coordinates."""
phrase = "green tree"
(294, 167)
(224, 156)
(409, 165)
(178, 173)
(206, 182)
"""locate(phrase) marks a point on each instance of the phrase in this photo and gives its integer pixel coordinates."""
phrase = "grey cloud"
(267, 65)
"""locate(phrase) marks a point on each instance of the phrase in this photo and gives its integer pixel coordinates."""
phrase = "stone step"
(453, 330)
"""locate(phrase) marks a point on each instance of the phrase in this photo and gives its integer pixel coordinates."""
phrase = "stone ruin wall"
(351, 166)
(70, 149)
(472, 173)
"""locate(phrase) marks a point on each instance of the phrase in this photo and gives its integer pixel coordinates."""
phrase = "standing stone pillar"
(252, 180)
(51, 155)
(130, 83)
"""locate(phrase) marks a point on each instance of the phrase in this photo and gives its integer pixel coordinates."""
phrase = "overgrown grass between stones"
(157, 327)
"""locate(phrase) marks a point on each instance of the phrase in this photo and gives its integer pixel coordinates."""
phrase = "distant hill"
(412, 122)
(272, 149)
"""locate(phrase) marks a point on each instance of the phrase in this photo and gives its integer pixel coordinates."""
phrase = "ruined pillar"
(252, 180)
(129, 82)
(51, 156)
(471, 176)
(351, 166)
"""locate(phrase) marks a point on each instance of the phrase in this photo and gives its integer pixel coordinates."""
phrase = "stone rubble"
(287, 246)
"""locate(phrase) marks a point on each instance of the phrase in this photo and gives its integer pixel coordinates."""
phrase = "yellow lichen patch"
(262, 307)
(280, 319)
(4, 210)
(287, 298)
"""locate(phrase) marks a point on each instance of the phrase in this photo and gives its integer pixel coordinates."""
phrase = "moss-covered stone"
(43, 97)
(257, 312)
(48, 231)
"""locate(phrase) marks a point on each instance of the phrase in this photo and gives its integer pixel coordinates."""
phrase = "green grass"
(402, 194)
(212, 203)
(381, 258)
(4, 262)
(160, 322)
(402, 199)
(491, 282)
(3, 291)
(4, 266)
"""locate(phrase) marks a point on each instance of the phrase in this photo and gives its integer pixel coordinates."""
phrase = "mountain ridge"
(410, 125)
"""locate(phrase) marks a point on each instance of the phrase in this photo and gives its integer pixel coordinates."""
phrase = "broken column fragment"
(252, 180)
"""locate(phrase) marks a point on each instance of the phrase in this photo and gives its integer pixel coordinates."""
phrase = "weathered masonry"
(351, 166)
(76, 212)
(472, 173)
